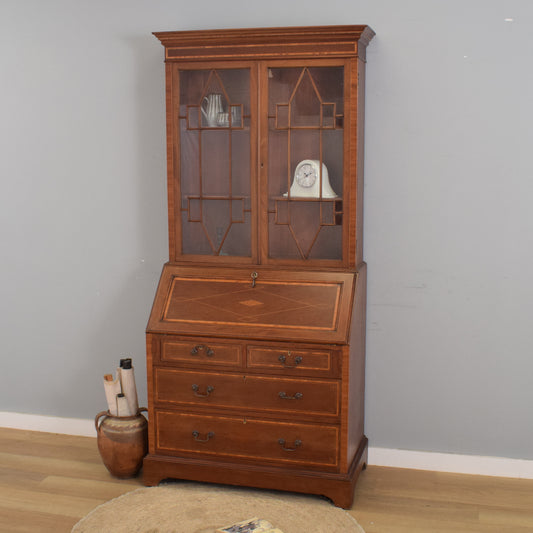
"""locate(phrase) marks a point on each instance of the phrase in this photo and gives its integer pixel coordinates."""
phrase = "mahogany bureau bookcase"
(256, 339)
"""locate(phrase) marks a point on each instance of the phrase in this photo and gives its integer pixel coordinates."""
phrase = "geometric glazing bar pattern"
(331, 212)
(237, 209)
(305, 109)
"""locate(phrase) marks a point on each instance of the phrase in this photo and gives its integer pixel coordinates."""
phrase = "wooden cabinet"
(255, 343)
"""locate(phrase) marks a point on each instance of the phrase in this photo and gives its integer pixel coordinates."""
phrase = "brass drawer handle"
(297, 360)
(205, 348)
(297, 396)
(297, 444)
(208, 391)
(196, 435)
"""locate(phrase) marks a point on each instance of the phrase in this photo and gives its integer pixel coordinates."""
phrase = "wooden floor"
(49, 481)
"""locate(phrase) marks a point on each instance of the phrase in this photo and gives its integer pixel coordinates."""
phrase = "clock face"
(306, 175)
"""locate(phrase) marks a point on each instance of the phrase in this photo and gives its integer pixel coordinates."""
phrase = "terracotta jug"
(122, 442)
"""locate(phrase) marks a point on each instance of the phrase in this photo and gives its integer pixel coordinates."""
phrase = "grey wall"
(448, 223)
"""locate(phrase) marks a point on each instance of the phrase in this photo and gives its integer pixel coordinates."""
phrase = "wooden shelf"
(304, 199)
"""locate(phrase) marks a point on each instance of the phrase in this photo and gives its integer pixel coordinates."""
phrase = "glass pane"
(237, 240)
(281, 243)
(305, 162)
(214, 119)
(305, 103)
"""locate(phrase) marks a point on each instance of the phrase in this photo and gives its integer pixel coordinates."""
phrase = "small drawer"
(203, 351)
(304, 362)
(281, 397)
(252, 439)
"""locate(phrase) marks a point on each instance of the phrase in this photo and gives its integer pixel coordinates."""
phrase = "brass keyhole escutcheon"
(253, 275)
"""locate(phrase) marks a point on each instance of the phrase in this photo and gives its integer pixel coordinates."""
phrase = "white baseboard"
(439, 462)
(49, 424)
(451, 462)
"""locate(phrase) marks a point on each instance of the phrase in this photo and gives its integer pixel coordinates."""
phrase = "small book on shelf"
(252, 525)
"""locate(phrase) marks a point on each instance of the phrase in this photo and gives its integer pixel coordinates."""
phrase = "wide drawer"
(201, 351)
(304, 362)
(277, 395)
(238, 438)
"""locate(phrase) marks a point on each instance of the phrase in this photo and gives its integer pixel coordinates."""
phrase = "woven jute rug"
(186, 507)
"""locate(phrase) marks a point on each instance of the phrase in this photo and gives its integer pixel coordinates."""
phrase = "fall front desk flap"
(251, 302)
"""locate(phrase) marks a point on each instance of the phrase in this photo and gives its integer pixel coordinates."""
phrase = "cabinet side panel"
(356, 407)
(355, 74)
(350, 166)
(360, 158)
(151, 340)
(172, 156)
(345, 409)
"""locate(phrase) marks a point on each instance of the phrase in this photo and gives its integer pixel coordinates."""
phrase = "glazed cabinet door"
(212, 139)
(305, 154)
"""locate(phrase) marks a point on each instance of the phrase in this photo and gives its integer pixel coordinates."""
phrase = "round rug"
(186, 507)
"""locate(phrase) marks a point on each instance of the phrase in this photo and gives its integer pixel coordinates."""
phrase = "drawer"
(279, 396)
(237, 438)
(201, 351)
(304, 362)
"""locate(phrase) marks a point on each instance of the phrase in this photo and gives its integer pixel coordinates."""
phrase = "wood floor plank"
(46, 465)
(41, 444)
(45, 502)
(107, 490)
(449, 487)
(513, 517)
(14, 477)
(16, 521)
(391, 500)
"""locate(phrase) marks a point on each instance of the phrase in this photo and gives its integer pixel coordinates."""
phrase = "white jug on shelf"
(211, 107)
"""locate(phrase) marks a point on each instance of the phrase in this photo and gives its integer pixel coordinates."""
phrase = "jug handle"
(97, 418)
(204, 111)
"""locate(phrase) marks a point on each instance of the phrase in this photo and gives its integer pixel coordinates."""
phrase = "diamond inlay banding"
(251, 303)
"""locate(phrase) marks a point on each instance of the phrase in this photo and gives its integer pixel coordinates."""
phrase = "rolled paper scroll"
(129, 389)
(123, 409)
(112, 389)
